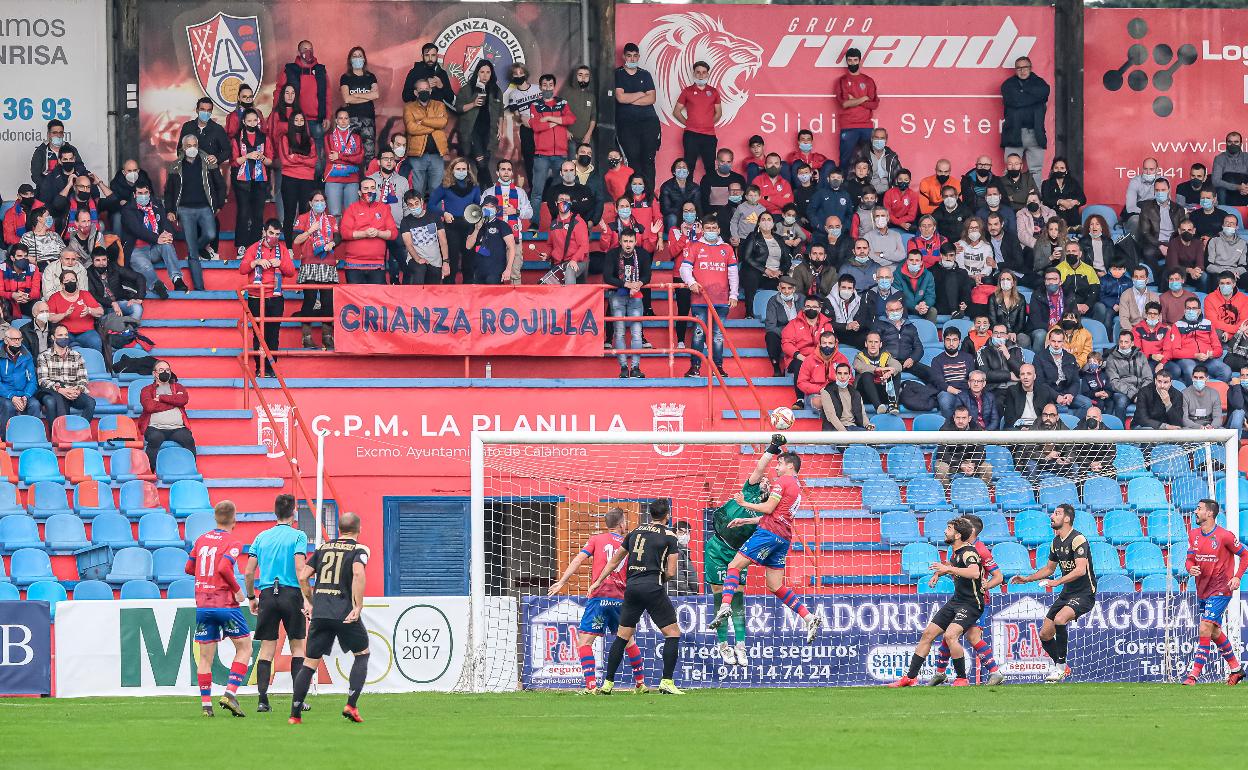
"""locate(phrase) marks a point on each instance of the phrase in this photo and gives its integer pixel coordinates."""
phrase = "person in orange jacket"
(1226, 307)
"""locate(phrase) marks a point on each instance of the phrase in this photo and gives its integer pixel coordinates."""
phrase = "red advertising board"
(1167, 83)
(938, 70)
(469, 320)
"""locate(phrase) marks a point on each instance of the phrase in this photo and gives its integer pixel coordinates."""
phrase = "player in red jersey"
(602, 609)
(710, 271)
(213, 561)
(770, 543)
(975, 634)
(1211, 552)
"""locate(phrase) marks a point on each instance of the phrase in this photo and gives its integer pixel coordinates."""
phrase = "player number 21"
(331, 568)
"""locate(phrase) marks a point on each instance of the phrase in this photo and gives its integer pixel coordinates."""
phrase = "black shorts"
(1081, 603)
(352, 637)
(650, 598)
(957, 611)
(282, 605)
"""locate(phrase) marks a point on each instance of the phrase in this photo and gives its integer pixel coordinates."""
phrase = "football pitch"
(1019, 726)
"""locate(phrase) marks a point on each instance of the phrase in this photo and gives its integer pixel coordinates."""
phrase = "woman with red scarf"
(297, 151)
(267, 262)
(252, 157)
(344, 153)
(318, 264)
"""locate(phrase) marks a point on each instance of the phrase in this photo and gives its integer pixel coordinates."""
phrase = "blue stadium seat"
(18, 532)
(140, 497)
(186, 497)
(1031, 528)
(9, 505)
(130, 564)
(761, 298)
(1014, 494)
(934, 525)
(1100, 335)
(49, 591)
(1012, 558)
(30, 565)
(1216, 456)
(1122, 526)
(1001, 460)
(140, 589)
(1029, 355)
(1105, 560)
(1085, 522)
(1219, 492)
(963, 325)
(895, 528)
(175, 463)
(1042, 552)
(1057, 489)
(112, 529)
(159, 530)
(64, 532)
(928, 333)
(8, 591)
(26, 432)
(859, 463)
(1101, 494)
(1160, 584)
(1115, 584)
(943, 586)
(1188, 490)
(969, 494)
(1177, 558)
(996, 530)
(1239, 218)
(92, 498)
(1108, 212)
(917, 558)
(1166, 527)
(927, 422)
(201, 523)
(1147, 494)
(93, 590)
(1145, 558)
(183, 588)
(925, 493)
(888, 422)
(1129, 460)
(38, 464)
(168, 564)
(96, 370)
(882, 495)
(90, 462)
(1112, 422)
(1069, 420)
(48, 499)
(906, 462)
(1168, 461)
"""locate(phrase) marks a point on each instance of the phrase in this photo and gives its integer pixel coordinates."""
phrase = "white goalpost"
(872, 518)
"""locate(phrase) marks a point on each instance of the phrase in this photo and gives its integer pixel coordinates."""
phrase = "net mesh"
(871, 521)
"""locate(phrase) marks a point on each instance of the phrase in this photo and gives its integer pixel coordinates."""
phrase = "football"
(782, 418)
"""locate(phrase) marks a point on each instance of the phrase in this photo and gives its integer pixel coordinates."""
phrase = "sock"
(264, 672)
(359, 672)
(1228, 652)
(916, 663)
(238, 671)
(588, 665)
(959, 666)
(942, 657)
(721, 631)
(1061, 644)
(303, 679)
(732, 582)
(634, 660)
(1050, 648)
(786, 595)
(614, 657)
(1202, 656)
(671, 650)
(295, 665)
(205, 689)
(738, 618)
(983, 651)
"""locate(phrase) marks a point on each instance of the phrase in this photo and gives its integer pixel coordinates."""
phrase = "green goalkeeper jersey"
(735, 537)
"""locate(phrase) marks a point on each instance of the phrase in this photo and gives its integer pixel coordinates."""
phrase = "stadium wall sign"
(938, 70)
(1176, 76)
(52, 59)
(138, 647)
(25, 648)
(470, 320)
(868, 640)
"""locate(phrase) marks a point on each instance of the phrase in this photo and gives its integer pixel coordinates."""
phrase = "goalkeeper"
(722, 545)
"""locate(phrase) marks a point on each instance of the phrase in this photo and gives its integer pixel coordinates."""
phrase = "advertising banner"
(139, 647)
(54, 64)
(466, 320)
(868, 640)
(938, 70)
(25, 648)
(192, 48)
(1167, 83)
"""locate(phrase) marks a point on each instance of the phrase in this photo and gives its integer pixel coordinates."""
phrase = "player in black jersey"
(337, 600)
(1070, 551)
(959, 613)
(652, 551)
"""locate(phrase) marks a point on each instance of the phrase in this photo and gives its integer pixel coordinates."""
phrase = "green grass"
(1020, 726)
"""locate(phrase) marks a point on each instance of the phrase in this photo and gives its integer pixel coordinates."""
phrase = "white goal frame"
(479, 440)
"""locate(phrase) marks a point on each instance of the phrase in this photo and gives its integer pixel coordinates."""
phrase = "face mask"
(853, 68)
(993, 200)
(164, 376)
(894, 315)
(885, 284)
(318, 207)
(1138, 285)
(998, 341)
(1176, 285)
(48, 222)
(942, 178)
(803, 178)
(700, 82)
(805, 146)
(1013, 174)
(773, 171)
(860, 259)
(21, 265)
(43, 317)
(1232, 149)
(903, 186)
(14, 349)
(1007, 285)
(834, 233)
(1059, 175)
(637, 189)
(517, 80)
(1056, 350)
(1053, 288)
(1125, 350)
(632, 65)
(1199, 384)
(973, 236)
(564, 207)
(689, 216)
(62, 342)
(842, 384)
(878, 144)
(204, 116)
(811, 314)
(734, 198)
(1161, 197)
(766, 226)
(682, 174)
(191, 153)
(1152, 321)
(1072, 259)
(1186, 237)
(613, 162)
(951, 203)
(489, 212)
(1206, 204)
(57, 141)
(582, 84)
(1226, 290)
(835, 184)
(787, 298)
(710, 237)
(624, 213)
(460, 174)
(548, 94)
(1032, 206)
(881, 222)
(847, 294)
(132, 177)
(568, 177)
(947, 264)
(416, 211)
(1229, 232)
(357, 62)
(723, 168)
(1148, 178)
(1191, 315)
(71, 286)
(682, 540)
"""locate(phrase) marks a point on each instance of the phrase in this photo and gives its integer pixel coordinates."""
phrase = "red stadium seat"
(118, 431)
(70, 431)
(106, 391)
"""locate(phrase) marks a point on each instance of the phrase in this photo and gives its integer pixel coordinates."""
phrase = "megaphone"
(473, 214)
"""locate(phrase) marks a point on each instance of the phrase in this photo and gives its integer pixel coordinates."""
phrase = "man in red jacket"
(818, 370)
(857, 97)
(800, 337)
(366, 226)
(164, 413)
(549, 119)
(710, 271)
(568, 239)
(1193, 341)
(775, 191)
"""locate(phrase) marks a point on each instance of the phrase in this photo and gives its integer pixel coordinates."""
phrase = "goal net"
(872, 519)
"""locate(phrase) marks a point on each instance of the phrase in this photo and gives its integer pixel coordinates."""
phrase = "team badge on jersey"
(226, 54)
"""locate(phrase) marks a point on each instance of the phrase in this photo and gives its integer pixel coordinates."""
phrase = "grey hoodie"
(1227, 254)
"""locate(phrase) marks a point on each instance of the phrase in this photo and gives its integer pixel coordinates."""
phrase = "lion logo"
(680, 39)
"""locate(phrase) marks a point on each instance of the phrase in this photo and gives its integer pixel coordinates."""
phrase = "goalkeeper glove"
(777, 442)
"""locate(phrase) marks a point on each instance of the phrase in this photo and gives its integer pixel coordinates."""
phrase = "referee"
(279, 553)
(652, 551)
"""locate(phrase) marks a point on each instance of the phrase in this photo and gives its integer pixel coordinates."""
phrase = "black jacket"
(1150, 412)
(214, 185)
(30, 338)
(121, 281)
(584, 202)
(1026, 101)
(422, 71)
(753, 254)
(1050, 194)
(39, 161)
(1009, 254)
(52, 184)
(1013, 401)
(1015, 318)
(212, 138)
(611, 274)
(975, 200)
(953, 287)
(133, 228)
(123, 191)
(672, 198)
(292, 75)
(949, 223)
(998, 364)
(1038, 313)
(1047, 372)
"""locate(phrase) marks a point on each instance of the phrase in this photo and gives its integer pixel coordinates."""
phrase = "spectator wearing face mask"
(164, 417)
(194, 193)
(367, 226)
(391, 189)
(1174, 298)
(1193, 341)
(18, 380)
(1047, 307)
(580, 197)
(836, 242)
(568, 240)
(840, 405)
(118, 289)
(830, 199)
(1031, 219)
(549, 119)
(75, 309)
(423, 236)
(268, 263)
(864, 215)
(763, 258)
(1078, 278)
(493, 244)
(775, 192)
(253, 154)
(1078, 339)
(1000, 360)
(818, 371)
(41, 240)
(1158, 220)
(974, 255)
(902, 203)
(1133, 301)
(887, 247)
(1063, 193)
(1007, 308)
(1188, 193)
(851, 316)
(918, 288)
(1205, 216)
(1017, 184)
(1151, 335)
(859, 265)
(804, 189)
(814, 276)
(953, 284)
(745, 216)
(1202, 406)
(147, 235)
(879, 376)
(15, 218)
(882, 160)
(678, 191)
(931, 188)
(1094, 383)
(47, 154)
(318, 236)
(857, 98)
(882, 292)
(800, 336)
(1126, 371)
(62, 376)
(699, 110)
(928, 240)
(975, 184)
(425, 118)
(806, 155)
(1226, 307)
(1228, 253)
(952, 215)
(1113, 285)
(789, 230)
(710, 271)
(637, 123)
(1058, 367)
(1230, 172)
(901, 339)
(20, 283)
(995, 203)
